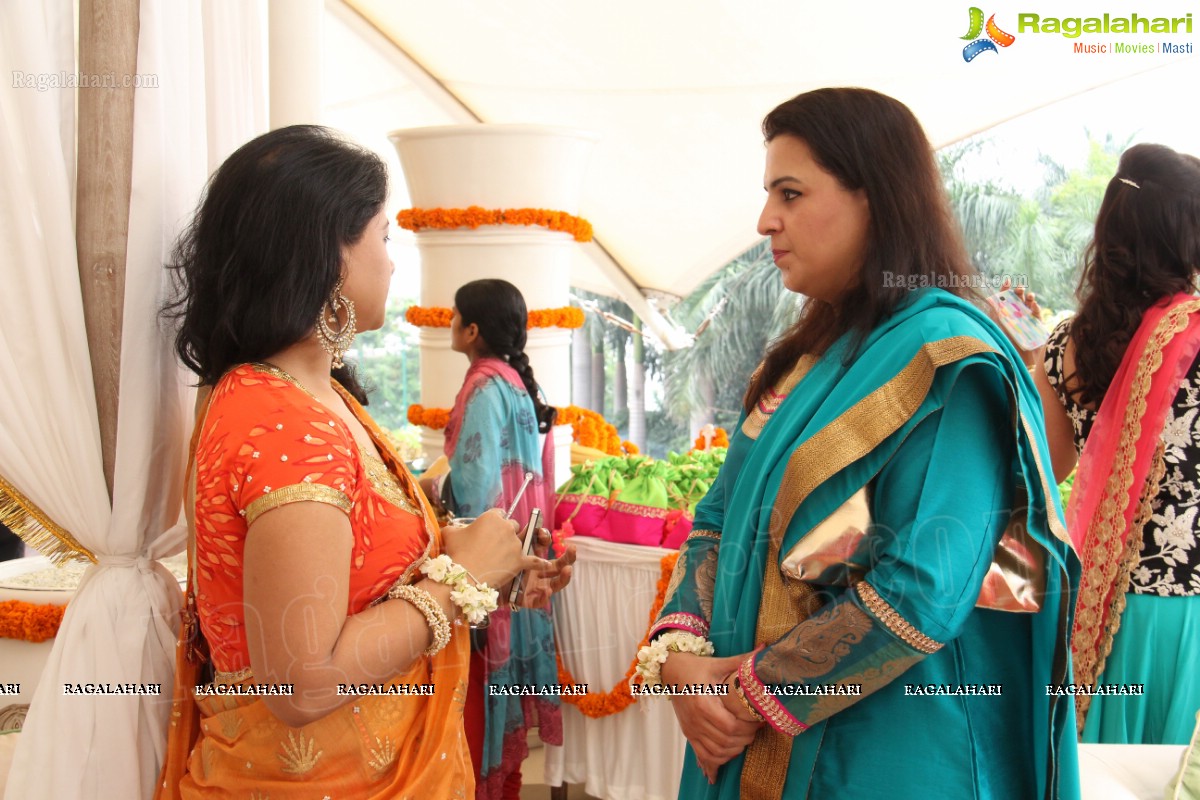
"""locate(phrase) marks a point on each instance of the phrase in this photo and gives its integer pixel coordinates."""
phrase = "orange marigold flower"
(435, 418)
(588, 428)
(439, 317)
(417, 219)
(29, 622)
(720, 439)
(428, 317)
(619, 698)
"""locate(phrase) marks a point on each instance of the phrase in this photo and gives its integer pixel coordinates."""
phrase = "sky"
(1146, 108)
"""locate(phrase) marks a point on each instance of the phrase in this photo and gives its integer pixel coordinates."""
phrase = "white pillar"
(495, 167)
(296, 52)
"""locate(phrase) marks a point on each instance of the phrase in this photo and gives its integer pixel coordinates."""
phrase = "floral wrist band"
(651, 657)
(476, 600)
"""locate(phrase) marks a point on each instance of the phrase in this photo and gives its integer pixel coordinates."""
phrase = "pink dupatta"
(1111, 480)
(541, 493)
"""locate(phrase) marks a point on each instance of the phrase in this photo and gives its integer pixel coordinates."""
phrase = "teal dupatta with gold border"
(937, 414)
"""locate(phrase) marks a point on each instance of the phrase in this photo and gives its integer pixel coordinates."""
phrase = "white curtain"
(49, 434)
(120, 628)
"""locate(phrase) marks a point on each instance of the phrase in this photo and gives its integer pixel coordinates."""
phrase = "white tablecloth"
(1127, 771)
(599, 619)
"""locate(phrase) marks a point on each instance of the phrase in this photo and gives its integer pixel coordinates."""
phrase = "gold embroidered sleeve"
(688, 603)
(296, 493)
(827, 663)
(891, 618)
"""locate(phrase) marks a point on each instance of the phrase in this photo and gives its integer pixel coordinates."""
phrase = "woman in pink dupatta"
(492, 442)
(1120, 386)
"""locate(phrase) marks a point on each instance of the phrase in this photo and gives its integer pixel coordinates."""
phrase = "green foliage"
(1037, 239)
(665, 434)
(389, 367)
(1064, 489)
(747, 307)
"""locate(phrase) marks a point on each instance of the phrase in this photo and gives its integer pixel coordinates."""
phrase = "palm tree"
(986, 212)
(1041, 238)
(601, 344)
(636, 404)
(735, 312)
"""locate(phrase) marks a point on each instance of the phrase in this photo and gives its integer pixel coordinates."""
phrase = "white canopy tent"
(675, 89)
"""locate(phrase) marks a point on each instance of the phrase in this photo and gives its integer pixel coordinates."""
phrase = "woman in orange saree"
(337, 654)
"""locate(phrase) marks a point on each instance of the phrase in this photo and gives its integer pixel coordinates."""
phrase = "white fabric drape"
(49, 434)
(599, 620)
(120, 628)
(235, 69)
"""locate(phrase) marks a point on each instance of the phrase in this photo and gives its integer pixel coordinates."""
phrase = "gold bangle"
(741, 695)
(430, 609)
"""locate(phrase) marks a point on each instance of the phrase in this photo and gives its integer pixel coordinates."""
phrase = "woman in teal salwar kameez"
(881, 567)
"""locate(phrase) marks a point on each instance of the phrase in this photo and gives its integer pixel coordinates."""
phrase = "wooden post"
(108, 39)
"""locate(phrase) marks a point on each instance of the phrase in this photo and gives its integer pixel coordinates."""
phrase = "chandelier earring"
(336, 341)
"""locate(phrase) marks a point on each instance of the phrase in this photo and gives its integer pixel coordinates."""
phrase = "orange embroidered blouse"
(267, 442)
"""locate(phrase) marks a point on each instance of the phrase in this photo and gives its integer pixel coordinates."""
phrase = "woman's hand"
(733, 703)
(490, 549)
(1029, 357)
(1025, 296)
(539, 584)
(716, 734)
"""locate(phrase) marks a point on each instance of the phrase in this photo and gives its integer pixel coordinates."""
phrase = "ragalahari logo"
(995, 36)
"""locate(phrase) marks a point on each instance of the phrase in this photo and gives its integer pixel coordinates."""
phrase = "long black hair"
(869, 141)
(264, 250)
(498, 308)
(1146, 247)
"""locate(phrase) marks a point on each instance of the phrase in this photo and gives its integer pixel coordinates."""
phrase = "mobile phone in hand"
(531, 532)
(1026, 330)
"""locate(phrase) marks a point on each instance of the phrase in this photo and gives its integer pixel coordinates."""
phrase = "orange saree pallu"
(375, 746)
(264, 441)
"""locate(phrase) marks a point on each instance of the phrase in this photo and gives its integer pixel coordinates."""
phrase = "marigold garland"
(720, 439)
(29, 622)
(565, 317)
(439, 317)
(588, 428)
(418, 219)
(435, 418)
(619, 698)
(435, 317)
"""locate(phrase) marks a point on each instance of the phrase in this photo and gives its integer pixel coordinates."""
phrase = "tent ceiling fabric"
(676, 90)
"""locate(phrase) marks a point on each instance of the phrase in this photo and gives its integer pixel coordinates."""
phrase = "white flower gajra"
(651, 657)
(441, 569)
(476, 601)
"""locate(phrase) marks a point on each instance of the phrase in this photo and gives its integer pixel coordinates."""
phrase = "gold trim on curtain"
(22, 516)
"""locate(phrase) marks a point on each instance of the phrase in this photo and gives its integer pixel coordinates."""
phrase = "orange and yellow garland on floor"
(604, 704)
